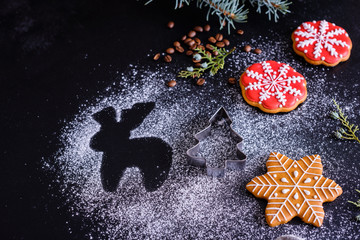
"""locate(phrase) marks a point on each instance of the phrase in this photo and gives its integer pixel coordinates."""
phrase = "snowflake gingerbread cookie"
(273, 87)
(322, 42)
(294, 188)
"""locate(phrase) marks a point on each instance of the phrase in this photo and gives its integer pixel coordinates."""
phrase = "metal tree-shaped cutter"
(195, 159)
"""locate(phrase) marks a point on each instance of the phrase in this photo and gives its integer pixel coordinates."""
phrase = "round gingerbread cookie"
(321, 42)
(273, 87)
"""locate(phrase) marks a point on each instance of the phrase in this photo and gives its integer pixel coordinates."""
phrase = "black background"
(55, 55)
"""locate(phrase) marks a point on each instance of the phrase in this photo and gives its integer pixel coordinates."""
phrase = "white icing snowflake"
(273, 83)
(321, 38)
(294, 188)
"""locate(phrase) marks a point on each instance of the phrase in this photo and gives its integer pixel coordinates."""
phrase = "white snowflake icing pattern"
(273, 83)
(322, 38)
(311, 187)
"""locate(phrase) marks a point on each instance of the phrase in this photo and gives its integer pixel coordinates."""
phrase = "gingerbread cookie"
(322, 42)
(294, 188)
(273, 87)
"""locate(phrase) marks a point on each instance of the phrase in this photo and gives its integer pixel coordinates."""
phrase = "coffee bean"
(176, 44)
(247, 48)
(227, 42)
(187, 40)
(189, 53)
(207, 28)
(183, 38)
(224, 23)
(210, 47)
(198, 29)
(201, 47)
(170, 24)
(171, 83)
(191, 43)
(257, 51)
(200, 81)
(208, 53)
(240, 32)
(192, 34)
(157, 56)
(216, 53)
(232, 80)
(212, 39)
(180, 49)
(219, 37)
(167, 58)
(197, 40)
(193, 47)
(170, 50)
(198, 65)
(220, 44)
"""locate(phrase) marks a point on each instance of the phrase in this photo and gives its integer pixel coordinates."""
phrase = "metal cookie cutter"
(195, 159)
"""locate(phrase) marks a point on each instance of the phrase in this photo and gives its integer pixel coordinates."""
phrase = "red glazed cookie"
(294, 188)
(273, 87)
(322, 42)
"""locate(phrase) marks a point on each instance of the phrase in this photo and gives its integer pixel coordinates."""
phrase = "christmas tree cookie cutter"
(193, 154)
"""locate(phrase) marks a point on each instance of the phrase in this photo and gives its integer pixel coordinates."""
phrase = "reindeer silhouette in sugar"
(151, 155)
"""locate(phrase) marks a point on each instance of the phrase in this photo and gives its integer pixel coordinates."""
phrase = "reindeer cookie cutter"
(194, 158)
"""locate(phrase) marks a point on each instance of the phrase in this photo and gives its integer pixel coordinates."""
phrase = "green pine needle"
(214, 63)
(273, 7)
(230, 11)
(349, 130)
(357, 204)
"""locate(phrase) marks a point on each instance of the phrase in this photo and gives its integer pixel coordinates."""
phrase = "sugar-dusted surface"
(190, 204)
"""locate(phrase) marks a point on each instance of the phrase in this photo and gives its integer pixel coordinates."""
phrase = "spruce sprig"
(350, 130)
(228, 11)
(273, 7)
(357, 204)
(214, 63)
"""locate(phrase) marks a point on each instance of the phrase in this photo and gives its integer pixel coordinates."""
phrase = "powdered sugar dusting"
(190, 204)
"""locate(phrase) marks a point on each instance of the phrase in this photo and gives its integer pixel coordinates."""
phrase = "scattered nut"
(247, 48)
(240, 32)
(170, 51)
(192, 34)
(200, 81)
(170, 24)
(212, 40)
(198, 29)
(257, 51)
(157, 56)
(171, 83)
(219, 37)
(232, 80)
(167, 58)
(207, 28)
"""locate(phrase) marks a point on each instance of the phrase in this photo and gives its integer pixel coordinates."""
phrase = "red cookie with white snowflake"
(322, 42)
(273, 87)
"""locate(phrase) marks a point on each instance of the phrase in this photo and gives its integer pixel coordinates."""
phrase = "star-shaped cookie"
(294, 188)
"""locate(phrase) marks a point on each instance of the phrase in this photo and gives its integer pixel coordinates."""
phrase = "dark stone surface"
(49, 55)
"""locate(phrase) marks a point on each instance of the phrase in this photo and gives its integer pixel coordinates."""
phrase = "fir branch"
(212, 63)
(357, 204)
(350, 130)
(273, 7)
(228, 11)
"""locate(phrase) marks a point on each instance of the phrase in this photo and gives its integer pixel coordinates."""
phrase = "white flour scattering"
(219, 146)
(190, 204)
